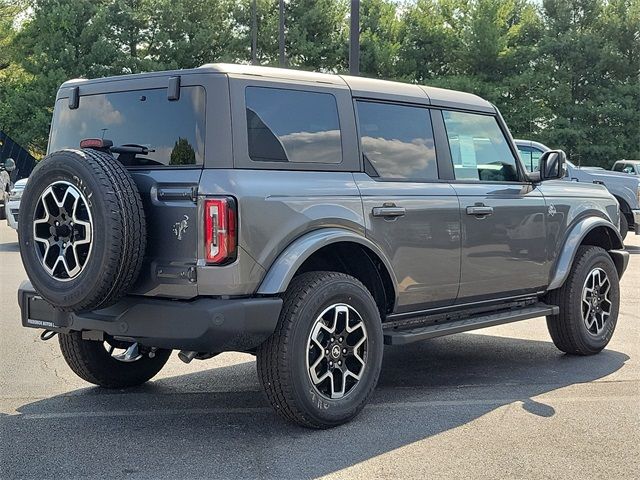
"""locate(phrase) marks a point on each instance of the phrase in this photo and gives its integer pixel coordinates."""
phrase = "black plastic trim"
(202, 325)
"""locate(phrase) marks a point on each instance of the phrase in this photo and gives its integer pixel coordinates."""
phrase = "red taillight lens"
(220, 230)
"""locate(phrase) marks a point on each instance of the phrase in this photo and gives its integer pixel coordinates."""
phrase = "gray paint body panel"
(288, 211)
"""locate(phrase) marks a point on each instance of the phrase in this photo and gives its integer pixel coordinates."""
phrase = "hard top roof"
(360, 86)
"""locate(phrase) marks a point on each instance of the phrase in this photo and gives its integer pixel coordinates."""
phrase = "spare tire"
(82, 230)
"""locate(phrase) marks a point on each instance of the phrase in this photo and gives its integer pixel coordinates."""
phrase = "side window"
(292, 126)
(479, 149)
(618, 167)
(397, 141)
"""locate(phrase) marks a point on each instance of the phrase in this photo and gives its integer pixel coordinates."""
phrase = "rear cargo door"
(157, 126)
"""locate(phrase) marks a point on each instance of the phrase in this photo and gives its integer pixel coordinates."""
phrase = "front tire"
(92, 362)
(320, 366)
(589, 302)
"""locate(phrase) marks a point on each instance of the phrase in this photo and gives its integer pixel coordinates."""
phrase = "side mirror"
(553, 165)
(9, 165)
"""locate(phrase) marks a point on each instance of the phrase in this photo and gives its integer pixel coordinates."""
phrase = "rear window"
(292, 126)
(173, 131)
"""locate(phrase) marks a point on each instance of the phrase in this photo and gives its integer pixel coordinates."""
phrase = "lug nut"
(333, 339)
(326, 352)
(344, 350)
(339, 362)
(331, 364)
(340, 339)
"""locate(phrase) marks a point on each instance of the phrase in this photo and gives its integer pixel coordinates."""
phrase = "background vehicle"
(305, 218)
(624, 188)
(627, 166)
(12, 204)
(6, 167)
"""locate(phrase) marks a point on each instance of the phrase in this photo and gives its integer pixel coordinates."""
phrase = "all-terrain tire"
(282, 359)
(90, 360)
(568, 330)
(118, 232)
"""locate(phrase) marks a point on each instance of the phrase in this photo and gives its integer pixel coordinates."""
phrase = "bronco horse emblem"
(180, 227)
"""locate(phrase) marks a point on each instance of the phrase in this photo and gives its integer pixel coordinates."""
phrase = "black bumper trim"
(201, 325)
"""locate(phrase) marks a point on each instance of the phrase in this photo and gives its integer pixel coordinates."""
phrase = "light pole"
(283, 60)
(354, 38)
(254, 33)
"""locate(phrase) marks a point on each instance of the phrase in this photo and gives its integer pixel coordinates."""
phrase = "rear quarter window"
(292, 126)
(173, 131)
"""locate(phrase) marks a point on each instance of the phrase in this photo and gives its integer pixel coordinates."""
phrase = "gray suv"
(306, 218)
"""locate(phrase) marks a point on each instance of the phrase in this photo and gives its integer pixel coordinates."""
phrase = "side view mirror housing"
(8, 165)
(553, 166)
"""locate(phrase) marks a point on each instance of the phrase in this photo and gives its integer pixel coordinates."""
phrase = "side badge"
(552, 210)
(180, 227)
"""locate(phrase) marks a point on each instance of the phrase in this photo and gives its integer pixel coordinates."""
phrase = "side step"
(394, 336)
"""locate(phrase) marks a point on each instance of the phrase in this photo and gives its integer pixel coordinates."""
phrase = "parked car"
(624, 188)
(627, 166)
(6, 167)
(12, 206)
(303, 217)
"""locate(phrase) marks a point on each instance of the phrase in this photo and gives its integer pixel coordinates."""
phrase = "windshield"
(173, 131)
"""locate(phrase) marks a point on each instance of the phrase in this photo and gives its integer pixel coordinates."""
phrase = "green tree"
(182, 153)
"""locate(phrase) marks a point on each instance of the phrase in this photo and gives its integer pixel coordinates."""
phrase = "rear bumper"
(200, 325)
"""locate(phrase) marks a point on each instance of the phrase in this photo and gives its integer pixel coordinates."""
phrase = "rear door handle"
(388, 211)
(480, 210)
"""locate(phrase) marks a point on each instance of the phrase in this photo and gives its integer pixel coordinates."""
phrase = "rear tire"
(314, 303)
(90, 360)
(575, 330)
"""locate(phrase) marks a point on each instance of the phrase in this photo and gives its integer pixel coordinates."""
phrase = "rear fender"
(287, 264)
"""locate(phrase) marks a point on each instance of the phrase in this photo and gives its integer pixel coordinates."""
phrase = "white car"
(12, 203)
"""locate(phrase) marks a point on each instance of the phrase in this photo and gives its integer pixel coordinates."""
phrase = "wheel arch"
(337, 250)
(589, 231)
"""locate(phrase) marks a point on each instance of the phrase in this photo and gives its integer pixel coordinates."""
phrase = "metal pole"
(281, 35)
(354, 39)
(254, 33)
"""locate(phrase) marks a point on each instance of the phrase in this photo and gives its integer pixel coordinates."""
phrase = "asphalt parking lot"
(498, 403)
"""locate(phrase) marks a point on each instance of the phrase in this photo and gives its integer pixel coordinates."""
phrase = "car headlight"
(15, 194)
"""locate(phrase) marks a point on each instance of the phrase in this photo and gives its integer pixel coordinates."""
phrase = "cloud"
(313, 147)
(397, 159)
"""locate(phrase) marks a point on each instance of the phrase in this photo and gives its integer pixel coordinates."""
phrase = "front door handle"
(479, 210)
(388, 211)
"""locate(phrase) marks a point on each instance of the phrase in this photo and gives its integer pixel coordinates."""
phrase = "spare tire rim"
(596, 304)
(63, 230)
(337, 351)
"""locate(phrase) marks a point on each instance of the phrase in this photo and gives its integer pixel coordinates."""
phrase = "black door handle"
(479, 210)
(388, 211)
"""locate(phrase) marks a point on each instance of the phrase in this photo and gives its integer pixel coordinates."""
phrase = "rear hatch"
(157, 126)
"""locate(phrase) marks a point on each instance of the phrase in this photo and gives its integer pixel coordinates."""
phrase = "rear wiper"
(131, 148)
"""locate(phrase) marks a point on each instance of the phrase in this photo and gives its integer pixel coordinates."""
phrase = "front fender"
(287, 264)
(574, 239)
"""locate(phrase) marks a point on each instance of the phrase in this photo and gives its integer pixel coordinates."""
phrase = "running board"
(394, 336)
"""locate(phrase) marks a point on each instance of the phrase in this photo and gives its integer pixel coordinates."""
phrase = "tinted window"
(292, 126)
(530, 157)
(173, 129)
(479, 149)
(618, 167)
(397, 140)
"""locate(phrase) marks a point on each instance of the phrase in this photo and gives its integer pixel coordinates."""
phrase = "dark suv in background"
(305, 218)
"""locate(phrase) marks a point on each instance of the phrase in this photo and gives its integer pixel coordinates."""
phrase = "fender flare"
(574, 239)
(289, 261)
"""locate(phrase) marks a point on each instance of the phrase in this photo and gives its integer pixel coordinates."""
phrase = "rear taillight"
(220, 230)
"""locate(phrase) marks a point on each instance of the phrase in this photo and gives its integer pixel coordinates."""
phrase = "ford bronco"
(306, 218)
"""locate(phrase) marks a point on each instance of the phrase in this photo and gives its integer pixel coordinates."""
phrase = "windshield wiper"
(131, 148)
